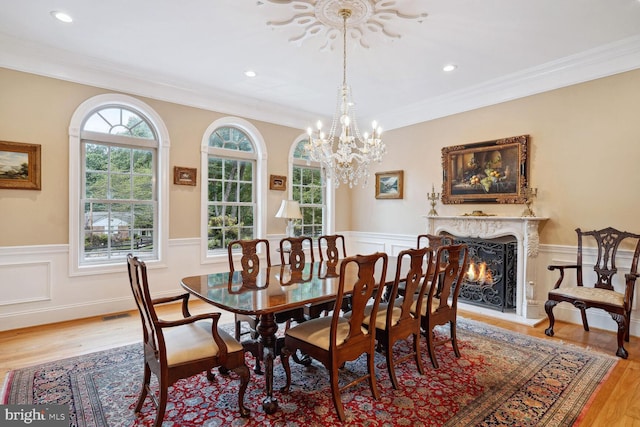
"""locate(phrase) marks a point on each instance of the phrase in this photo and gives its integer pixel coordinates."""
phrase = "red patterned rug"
(502, 379)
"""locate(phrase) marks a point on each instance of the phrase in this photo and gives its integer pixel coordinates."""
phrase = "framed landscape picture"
(389, 185)
(19, 165)
(486, 172)
(184, 176)
(277, 182)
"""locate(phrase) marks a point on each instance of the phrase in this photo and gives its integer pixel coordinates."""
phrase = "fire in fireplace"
(491, 277)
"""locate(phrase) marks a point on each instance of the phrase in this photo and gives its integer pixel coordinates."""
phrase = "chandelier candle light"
(354, 152)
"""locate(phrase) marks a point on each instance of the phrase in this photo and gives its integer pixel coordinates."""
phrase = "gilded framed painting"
(389, 185)
(486, 172)
(185, 176)
(20, 165)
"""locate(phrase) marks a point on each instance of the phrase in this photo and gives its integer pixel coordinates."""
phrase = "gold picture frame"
(20, 165)
(185, 176)
(278, 182)
(486, 172)
(390, 185)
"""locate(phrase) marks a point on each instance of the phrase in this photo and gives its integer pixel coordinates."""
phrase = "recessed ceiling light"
(449, 67)
(250, 73)
(61, 16)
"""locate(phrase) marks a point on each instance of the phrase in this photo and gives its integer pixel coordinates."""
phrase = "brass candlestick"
(529, 195)
(433, 198)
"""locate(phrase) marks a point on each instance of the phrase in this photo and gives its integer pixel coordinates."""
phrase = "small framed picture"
(389, 185)
(20, 165)
(278, 182)
(184, 176)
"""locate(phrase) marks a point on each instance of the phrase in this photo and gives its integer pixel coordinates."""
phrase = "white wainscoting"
(37, 288)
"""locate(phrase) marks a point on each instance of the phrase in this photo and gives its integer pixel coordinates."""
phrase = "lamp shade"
(289, 209)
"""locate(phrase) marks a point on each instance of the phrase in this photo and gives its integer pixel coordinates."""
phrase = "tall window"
(118, 209)
(307, 189)
(231, 187)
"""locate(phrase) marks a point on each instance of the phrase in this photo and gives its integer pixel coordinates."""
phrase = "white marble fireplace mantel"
(524, 229)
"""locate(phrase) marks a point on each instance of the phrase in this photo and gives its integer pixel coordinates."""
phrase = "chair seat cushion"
(194, 341)
(316, 331)
(588, 294)
(381, 317)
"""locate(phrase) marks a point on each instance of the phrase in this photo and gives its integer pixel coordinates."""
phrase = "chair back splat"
(441, 305)
(399, 318)
(331, 248)
(297, 256)
(176, 349)
(334, 340)
(602, 294)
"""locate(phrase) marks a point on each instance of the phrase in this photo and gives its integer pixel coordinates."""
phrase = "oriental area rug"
(501, 379)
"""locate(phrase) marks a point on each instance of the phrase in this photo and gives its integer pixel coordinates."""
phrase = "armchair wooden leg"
(622, 329)
(284, 359)
(243, 373)
(416, 351)
(335, 391)
(431, 349)
(372, 375)
(163, 390)
(454, 338)
(548, 307)
(583, 313)
(390, 364)
(145, 388)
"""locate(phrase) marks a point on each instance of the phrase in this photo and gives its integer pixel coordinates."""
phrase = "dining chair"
(292, 253)
(334, 340)
(177, 349)
(440, 305)
(250, 266)
(433, 241)
(398, 319)
(597, 290)
(331, 248)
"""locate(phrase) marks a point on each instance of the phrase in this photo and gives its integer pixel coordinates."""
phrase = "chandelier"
(354, 152)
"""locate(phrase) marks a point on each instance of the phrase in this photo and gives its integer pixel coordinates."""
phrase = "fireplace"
(491, 278)
(524, 230)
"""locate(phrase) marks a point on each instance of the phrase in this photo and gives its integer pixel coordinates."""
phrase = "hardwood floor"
(616, 404)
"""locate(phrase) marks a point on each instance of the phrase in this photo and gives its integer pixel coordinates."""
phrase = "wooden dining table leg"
(267, 328)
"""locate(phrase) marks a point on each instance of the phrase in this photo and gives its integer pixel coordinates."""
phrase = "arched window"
(115, 190)
(232, 184)
(307, 188)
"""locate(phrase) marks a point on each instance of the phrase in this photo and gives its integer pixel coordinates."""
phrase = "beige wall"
(38, 110)
(584, 159)
(585, 148)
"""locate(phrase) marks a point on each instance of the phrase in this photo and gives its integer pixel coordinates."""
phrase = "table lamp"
(290, 210)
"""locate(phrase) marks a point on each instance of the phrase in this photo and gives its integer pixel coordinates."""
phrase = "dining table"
(269, 290)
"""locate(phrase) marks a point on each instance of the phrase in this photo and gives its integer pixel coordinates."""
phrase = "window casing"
(118, 148)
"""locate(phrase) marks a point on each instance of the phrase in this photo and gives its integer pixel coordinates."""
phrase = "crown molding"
(610, 59)
(606, 60)
(21, 55)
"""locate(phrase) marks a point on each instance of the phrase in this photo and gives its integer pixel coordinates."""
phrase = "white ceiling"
(195, 52)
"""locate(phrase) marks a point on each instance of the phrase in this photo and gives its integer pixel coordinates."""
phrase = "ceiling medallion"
(322, 18)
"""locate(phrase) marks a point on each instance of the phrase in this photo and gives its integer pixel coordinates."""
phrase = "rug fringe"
(589, 402)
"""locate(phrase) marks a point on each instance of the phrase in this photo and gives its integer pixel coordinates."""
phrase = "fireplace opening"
(491, 278)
